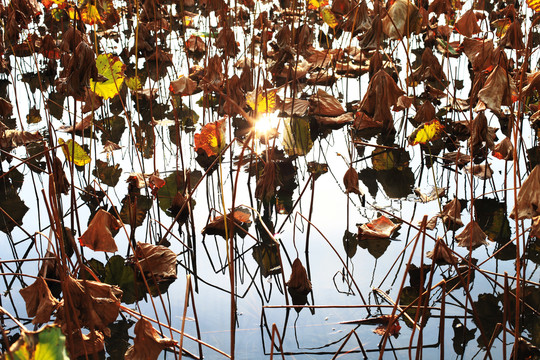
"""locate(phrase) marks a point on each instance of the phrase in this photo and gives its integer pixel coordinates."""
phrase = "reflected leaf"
(144, 137)
(350, 243)
(489, 313)
(118, 342)
(12, 205)
(134, 209)
(462, 336)
(533, 250)
(385, 159)
(267, 256)
(118, 272)
(408, 296)
(376, 247)
(108, 174)
(396, 184)
(112, 127)
(298, 285)
(176, 183)
(492, 219)
(297, 136)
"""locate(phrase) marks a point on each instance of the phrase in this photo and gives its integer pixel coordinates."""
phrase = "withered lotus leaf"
(429, 70)
(498, 90)
(94, 304)
(451, 214)
(425, 113)
(504, 150)
(156, 260)
(334, 122)
(183, 86)
(59, 177)
(381, 228)
(267, 183)
(85, 344)
(482, 171)
(479, 52)
(441, 254)
(472, 236)
(480, 133)
(195, 45)
(350, 180)
(528, 201)
(443, 7)
(513, 37)
(402, 19)
(325, 104)
(467, 24)
(381, 94)
(148, 343)
(10, 139)
(226, 42)
(98, 236)
(434, 194)
(40, 303)
(237, 218)
(535, 227)
(298, 283)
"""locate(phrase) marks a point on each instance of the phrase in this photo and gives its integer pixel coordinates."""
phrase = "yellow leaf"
(111, 68)
(328, 17)
(428, 131)
(266, 101)
(80, 157)
(534, 4)
(89, 14)
(315, 4)
(133, 83)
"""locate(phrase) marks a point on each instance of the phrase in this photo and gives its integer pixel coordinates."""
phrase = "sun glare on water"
(265, 124)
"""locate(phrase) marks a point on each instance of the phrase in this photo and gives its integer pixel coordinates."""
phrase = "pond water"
(329, 190)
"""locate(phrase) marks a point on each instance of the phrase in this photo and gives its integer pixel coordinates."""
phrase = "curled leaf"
(98, 236)
(381, 228)
(40, 303)
(350, 180)
(528, 201)
(148, 343)
(211, 139)
(441, 254)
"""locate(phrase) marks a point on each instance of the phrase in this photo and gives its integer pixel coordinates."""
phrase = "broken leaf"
(528, 200)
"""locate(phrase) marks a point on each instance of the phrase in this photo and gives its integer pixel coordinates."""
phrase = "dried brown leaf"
(156, 260)
(98, 236)
(472, 236)
(40, 303)
(381, 228)
(441, 254)
(148, 343)
(528, 201)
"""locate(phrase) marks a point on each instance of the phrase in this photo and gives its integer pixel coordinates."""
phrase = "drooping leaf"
(48, 343)
(111, 68)
(134, 209)
(267, 256)
(504, 150)
(528, 201)
(98, 236)
(148, 343)
(426, 132)
(350, 180)
(299, 285)
(402, 19)
(40, 303)
(74, 152)
(451, 214)
(211, 139)
(324, 104)
(241, 218)
(472, 236)
(176, 182)
(297, 136)
(441, 254)
(85, 345)
(499, 89)
(183, 86)
(467, 24)
(94, 304)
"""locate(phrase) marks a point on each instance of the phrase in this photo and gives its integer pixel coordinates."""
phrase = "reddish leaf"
(350, 180)
(211, 139)
(240, 216)
(498, 90)
(148, 343)
(98, 236)
(381, 228)
(441, 254)
(467, 24)
(157, 261)
(479, 52)
(504, 150)
(325, 104)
